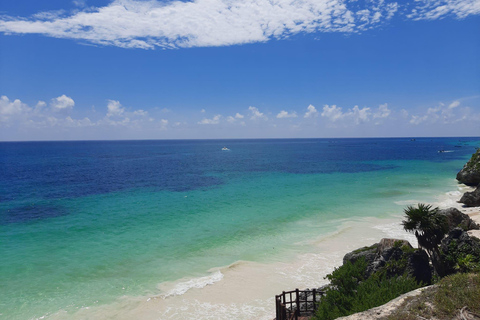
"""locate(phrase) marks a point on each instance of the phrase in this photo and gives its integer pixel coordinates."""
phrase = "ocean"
(182, 229)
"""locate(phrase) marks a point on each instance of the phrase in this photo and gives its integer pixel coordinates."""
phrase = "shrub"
(350, 291)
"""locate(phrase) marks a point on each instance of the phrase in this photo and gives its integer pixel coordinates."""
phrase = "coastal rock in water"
(471, 199)
(459, 251)
(470, 174)
(457, 219)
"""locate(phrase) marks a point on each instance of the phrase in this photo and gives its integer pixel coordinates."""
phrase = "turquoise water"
(84, 223)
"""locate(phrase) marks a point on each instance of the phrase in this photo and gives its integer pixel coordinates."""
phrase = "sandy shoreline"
(472, 212)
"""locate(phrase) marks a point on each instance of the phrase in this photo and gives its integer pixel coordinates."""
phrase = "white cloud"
(311, 112)
(202, 111)
(62, 103)
(441, 113)
(140, 112)
(9, 109)
(333, 113)
(437, 9)
(382, 112)
(214, 120)
(356, 114)
(236, 118)
(114, 108)
(163, 123)
(454, 104)
(285, 114)
(201, 23)
(256, 114)
(41, 104)
(79, 3)
(360, 115)
(69, 122)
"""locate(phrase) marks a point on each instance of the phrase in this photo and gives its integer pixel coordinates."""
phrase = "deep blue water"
(59, 170)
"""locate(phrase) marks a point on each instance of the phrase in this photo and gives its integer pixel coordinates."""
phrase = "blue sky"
(238, 69)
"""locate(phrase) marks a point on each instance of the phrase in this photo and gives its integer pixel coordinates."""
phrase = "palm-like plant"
(429, 228)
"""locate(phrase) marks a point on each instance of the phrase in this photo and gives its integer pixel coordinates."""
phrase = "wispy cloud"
(200, 23)
(437, 9)
(444, 114)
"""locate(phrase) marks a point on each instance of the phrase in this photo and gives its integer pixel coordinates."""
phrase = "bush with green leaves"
(350, 291)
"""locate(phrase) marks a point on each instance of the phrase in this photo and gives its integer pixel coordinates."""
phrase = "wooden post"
(297, 302)
(277, 305)
(314, 299)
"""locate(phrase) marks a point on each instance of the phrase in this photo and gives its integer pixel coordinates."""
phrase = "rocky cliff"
(470, 173)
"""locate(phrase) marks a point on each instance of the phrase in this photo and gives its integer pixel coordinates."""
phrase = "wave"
(196, 283)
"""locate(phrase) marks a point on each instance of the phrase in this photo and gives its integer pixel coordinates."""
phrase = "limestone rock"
(368, 252)
(456, 218)
(470, 174)
(471, 199)
(397, 255)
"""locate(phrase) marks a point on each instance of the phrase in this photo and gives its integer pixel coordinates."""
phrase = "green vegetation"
(363, 249)
(446, 300)
(462, 258)
(474, 162)
(351, 291)
(429, 228)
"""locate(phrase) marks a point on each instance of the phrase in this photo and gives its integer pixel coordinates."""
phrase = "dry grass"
(455, 297)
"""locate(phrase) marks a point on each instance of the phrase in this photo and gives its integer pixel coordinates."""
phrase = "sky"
(206, 69)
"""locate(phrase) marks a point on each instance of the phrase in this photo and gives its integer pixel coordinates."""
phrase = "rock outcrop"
(471, 199)
(369, 253)
(470, 174)
(457, 219)
(397, 256)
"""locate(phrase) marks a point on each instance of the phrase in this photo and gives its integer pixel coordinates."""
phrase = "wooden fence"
(297, 303)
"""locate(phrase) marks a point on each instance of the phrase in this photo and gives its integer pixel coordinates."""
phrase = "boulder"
(456, 218)
(471, 199)
(369, 253)
(398, 256)
(470, 173)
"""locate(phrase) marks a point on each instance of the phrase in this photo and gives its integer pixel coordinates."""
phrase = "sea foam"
(196, 283)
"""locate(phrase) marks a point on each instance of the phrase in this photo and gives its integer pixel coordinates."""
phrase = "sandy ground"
(474, 214)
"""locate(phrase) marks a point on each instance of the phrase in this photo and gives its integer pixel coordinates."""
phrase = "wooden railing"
(297, 303)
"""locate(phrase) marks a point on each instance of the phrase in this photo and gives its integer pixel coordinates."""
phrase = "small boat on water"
(225, 149)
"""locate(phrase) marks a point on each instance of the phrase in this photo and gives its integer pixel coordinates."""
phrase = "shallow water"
(143, 228)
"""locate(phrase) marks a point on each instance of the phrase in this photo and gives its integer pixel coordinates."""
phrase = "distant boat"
(225, 149)
(441, 151)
